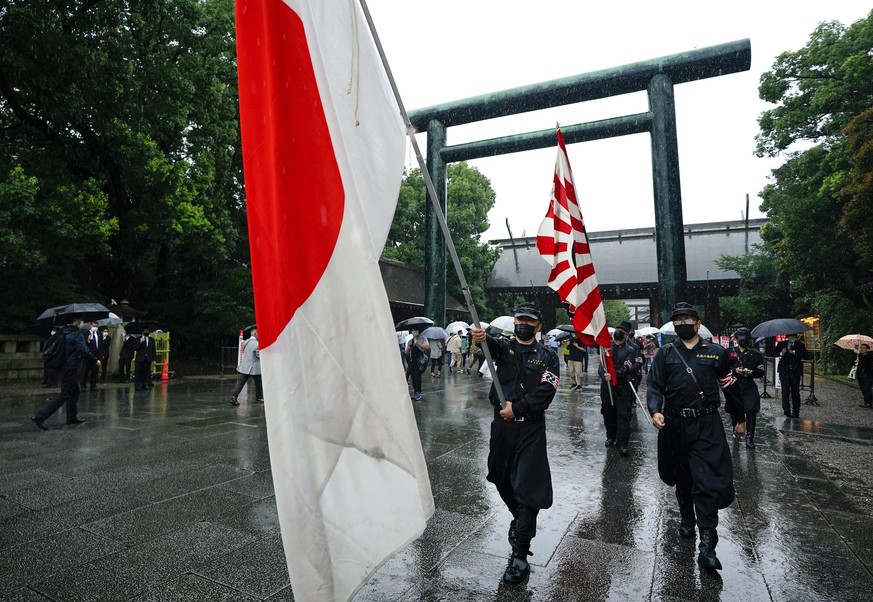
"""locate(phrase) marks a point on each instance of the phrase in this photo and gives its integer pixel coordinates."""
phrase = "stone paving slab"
(167, 495)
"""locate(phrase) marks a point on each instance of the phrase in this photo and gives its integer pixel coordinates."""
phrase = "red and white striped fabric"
(323, 153)
(563, 244)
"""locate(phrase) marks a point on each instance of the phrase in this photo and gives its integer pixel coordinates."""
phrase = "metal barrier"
(770, 369)
(229, 359)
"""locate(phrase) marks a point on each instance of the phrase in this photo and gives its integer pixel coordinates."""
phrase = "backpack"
(55, 353)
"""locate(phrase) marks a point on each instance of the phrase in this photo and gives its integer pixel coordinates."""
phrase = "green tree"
(763, 290)
(124, 116)
(817, 199)
(469, 198)
(616, 310)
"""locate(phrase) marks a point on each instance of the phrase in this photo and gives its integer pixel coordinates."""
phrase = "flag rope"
(431, 189)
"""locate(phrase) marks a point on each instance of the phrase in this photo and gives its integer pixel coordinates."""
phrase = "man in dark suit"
(145, 357)
(90, 367)
(103, 351)
(125, 357)
(791, 354)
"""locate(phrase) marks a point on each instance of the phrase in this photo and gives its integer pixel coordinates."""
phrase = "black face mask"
(618, 336)
(743, 342)
(525, 332)
(685, 331)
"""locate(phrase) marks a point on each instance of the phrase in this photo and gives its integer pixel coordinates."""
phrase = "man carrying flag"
(563, 243)
(323, 153)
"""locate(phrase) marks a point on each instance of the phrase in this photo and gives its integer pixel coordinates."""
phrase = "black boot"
(517, 569)
(707, 558)
(686, 509)
(511, 535)
(750, 430)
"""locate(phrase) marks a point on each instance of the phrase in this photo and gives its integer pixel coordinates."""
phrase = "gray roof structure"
(405, 287)
(626, 263)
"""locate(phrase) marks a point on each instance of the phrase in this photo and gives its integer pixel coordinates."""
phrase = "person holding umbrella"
(791, 353)
(75, 350)
(417, 355)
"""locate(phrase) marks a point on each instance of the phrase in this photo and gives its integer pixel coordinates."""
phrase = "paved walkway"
(167, 495)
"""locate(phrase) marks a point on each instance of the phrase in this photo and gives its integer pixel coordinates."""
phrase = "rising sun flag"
(323, 155)
(563, 243)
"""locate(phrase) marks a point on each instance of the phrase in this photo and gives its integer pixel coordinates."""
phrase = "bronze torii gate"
(656, 76)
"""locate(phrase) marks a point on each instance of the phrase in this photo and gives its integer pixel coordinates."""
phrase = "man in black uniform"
(864, 374)
(791, 353)
(617, 401)
(693, 454)
(517, 461)
(637, 376)
(747, 365)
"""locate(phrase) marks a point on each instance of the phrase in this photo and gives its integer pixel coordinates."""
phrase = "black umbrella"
(138, 326)
(566, 328)
(247, 331)
(417, 323)
(771, 328)
(87, 311)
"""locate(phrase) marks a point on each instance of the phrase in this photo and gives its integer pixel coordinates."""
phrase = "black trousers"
(415, 375)
(143, 375)
(89, 372)
(790, 387)
(69, 395)
(865, 383)
(243, 379)
(695, 454)
(617, 411)
(124, 372)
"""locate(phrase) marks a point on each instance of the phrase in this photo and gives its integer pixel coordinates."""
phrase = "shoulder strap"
(688, 370)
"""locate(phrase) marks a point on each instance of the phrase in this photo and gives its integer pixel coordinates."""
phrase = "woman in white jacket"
(249, 367)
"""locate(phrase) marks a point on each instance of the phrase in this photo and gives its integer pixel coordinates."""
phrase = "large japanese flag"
(323, 148)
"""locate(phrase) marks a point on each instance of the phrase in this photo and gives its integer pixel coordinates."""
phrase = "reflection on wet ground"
(167, 495)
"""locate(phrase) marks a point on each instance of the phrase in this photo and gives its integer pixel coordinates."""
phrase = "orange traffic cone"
(165, 372)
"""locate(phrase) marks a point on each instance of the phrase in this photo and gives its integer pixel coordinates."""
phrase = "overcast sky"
(445, 50)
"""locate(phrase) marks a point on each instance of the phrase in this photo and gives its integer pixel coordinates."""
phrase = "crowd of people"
(686, 379)
(80, 361)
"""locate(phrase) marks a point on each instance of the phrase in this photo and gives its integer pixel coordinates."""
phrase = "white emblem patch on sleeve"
(550, 378)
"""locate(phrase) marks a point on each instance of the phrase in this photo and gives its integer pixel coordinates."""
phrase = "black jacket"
(528, 374)
(669, 382)
(792, 355)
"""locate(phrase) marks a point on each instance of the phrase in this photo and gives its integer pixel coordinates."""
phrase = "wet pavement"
(167, 495)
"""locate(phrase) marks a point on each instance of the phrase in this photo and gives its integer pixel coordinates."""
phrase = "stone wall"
(20, 357)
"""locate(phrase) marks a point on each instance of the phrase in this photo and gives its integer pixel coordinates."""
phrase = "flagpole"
(606, 373)
(431, 189)
(640, 401)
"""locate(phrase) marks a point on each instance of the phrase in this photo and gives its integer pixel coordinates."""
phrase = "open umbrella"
(642, 332)
(771, 328)
(459, 326)
(566, 328)
(138, 326)
(434, 332)
(854, 341)
(503, 323)
(247, 331)
(668, 328)
(417, 323)
(87, 311)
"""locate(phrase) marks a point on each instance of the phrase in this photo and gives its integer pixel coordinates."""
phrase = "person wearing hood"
(693, 454)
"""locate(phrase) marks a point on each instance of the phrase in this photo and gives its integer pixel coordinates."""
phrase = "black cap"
(625, 325)
(528, 310)
(684, 309)
(743, 333)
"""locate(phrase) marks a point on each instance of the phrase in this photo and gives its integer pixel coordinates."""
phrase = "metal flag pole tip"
(431, 189)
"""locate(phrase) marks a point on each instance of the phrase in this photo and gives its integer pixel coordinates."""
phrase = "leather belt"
(689, 412)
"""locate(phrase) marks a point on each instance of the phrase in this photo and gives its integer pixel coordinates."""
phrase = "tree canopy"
(818, 247)
(122, 175)
(469, 198)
